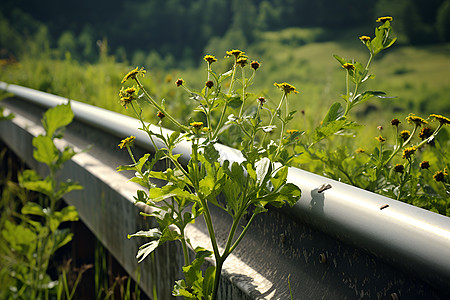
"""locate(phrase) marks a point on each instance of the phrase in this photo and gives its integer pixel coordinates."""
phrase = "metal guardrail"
(334, 244)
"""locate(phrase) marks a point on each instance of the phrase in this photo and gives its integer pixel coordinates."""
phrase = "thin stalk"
(244, 231)
(159, 107)
(232, 77)
(185, 251)
(273, 117)
(243, 93)
(139, 115)
(218, 271)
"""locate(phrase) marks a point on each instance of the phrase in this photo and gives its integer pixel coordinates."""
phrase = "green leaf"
(57, 117)
(31, 208)
(168, 191)
(225, 75)
(45, 151)
(69, 214)
(211, 154)
(173, 139)
(18, 235)
(208, 280)
(234, 101)
(153, 233)
(335, 112)
(384, 38)
(361, 98)
(263, 170)
(327, 129)
(279, 178)
(66, 187)
(65, 155)
(136, 166)
(61, 237)
(42, 186)
(141, 196)
(169, 235)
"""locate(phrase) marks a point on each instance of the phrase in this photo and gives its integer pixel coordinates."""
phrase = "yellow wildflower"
(443, 120)
(126, 142)
(197, 125)
(360, 150)
(440, 176)
(235, 52)
(425, 133)
(255, 65)
(348, 66)
(133, 74)
(380, 139)
(364, 38)
(286, 87)
(179, 82)
(242, 60)
(399, 168)
(425, 164)
(384, 19)
(413, 119)
(405, 134)
(210, 58)
(395, 122)
(408, 151)
(291, 131)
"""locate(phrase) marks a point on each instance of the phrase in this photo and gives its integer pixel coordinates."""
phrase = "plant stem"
(273, 117)
(157, 106)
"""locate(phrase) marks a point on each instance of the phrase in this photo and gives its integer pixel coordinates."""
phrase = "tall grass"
(418, 77)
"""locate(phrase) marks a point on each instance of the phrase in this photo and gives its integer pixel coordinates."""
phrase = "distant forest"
(182, 29)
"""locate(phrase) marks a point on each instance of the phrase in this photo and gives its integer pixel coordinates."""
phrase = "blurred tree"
(443, 21)
(67, 44)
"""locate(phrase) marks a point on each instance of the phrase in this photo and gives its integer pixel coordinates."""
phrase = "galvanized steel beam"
(338, 241)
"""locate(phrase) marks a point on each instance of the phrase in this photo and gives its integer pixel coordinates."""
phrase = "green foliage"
(238, 188)
(35, 236)
(374, 170)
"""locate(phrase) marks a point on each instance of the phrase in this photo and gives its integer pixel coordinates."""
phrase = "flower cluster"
(127, 95)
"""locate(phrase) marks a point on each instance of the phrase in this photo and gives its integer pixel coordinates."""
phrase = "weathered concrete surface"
(279, 249)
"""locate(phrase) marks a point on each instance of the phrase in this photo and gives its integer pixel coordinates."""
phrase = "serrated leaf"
(57, 117)
(279, 178)
(45, 151)
(31, 208)
(66, 187)
(211, 154)
(69, 214)
(169, 235)
(137, 166)
(327, 129)
(42, 186)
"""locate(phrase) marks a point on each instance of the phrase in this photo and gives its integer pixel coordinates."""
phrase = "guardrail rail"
(335, 244)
